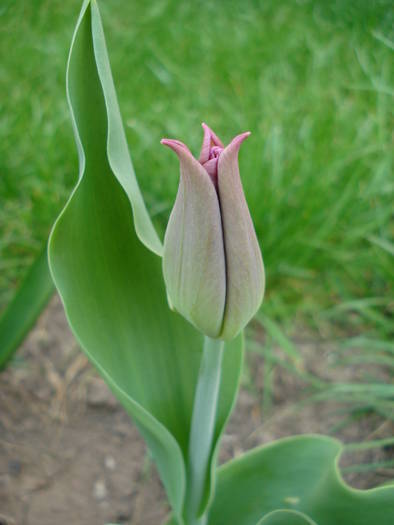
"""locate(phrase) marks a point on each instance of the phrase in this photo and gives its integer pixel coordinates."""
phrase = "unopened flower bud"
(212, 262)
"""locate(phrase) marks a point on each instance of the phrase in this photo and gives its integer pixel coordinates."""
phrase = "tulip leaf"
(25, 307)
(298, 474)
(103, 257)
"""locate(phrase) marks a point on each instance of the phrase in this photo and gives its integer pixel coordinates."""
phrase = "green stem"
(203, 427)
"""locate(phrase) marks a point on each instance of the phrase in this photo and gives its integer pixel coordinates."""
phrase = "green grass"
(313, 81)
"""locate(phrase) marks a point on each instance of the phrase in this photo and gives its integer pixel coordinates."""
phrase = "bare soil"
(69, 454)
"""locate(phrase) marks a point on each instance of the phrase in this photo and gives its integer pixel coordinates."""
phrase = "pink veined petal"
(206, 145)
(209, 138)
(244, 265)
(193, 259)
(215, 152)
(189, 165)
(212, 168)
(175, 145)
(215, 139)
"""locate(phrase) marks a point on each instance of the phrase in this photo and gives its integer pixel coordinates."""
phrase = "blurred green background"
(312, 80)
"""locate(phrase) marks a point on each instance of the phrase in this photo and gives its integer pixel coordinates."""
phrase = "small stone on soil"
(100, 490)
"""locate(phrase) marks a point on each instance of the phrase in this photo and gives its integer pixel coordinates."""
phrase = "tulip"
(212, 264)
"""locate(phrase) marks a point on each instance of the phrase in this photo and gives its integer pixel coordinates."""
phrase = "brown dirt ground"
(70, 455)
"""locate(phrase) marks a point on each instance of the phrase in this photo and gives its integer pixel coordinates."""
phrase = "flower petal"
(210, 138)
(244, 264)
(193, 259)
(211, 166)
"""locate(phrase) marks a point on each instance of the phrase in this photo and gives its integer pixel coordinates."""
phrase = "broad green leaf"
(298, 474)
(103, 259)
(25, 307)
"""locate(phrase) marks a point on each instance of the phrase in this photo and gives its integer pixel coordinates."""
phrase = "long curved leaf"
(103, 259)
(298, 474)
(28, 302)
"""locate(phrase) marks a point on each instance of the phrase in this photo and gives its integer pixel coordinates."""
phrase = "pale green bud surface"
(212, 263)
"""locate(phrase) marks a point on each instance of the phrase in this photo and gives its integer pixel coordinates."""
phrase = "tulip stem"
(203, 427)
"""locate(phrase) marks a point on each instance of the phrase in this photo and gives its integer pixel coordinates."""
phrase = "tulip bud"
(212, 262)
